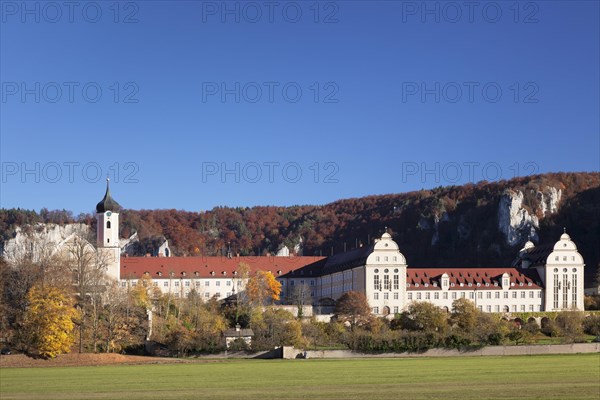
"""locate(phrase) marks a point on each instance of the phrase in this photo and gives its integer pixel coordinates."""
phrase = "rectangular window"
(218, 295)
(386, 283)
(436, 296)
(453, 295)
(187, 283)
(574, 291)
(497, 295)
(396, 282)
(462, 295)
(445, 295)
(427, 296)
(565, 291)
(176, 283)
(396, 296)
(386, 296)
(418, 295)
(135, 284)
(206, 294)
(480, 308)
(531, 307)
(523, 294)
(497, 308)
(514, 295)
(522, 307)
(531, 294)
(218, 283)
(228, 283)
(375, 310)
(471, 295)
(480, 295)
(207, 283)
(376, 296)
(292, 283)
(488, 308)
(540, 294)
(555, 290)
(488, 295)
(396, 310)
(376, 283)
(312, 282)
(514, 308)
(410, 296)
(166, 283)
(506, 295)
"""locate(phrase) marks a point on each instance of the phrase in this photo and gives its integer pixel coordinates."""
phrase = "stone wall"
(291, 353)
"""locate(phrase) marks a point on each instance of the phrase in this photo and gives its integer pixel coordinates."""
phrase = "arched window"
(107, 224)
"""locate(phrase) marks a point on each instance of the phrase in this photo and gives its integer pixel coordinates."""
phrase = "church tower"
(107, 216)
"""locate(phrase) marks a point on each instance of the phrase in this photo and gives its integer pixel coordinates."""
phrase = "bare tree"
(300, 296)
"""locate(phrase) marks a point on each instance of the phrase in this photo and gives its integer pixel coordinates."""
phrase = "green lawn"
(543, 377)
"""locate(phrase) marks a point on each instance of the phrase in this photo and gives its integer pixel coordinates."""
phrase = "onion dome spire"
(107, 203)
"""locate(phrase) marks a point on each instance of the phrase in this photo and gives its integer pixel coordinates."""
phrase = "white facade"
(390, 286)
(563, 276)
(180, 287)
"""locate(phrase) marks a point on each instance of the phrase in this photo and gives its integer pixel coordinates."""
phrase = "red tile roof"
(205, 267)
(487, 278)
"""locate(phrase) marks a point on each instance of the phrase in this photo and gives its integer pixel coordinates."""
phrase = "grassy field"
(532, 377)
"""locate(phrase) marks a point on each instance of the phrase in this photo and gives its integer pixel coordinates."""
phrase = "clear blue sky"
(394, 97)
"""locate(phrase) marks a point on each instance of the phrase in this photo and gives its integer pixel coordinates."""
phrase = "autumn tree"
(275, 327)
(48, 322)
(464, 316)
(570, 324)
(262, 288)
(352, 307)
(425, 317)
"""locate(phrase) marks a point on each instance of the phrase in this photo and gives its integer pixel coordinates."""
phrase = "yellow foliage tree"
(262, 287)
(48, 321)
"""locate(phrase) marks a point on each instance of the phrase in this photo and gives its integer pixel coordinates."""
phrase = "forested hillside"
(481, 224)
